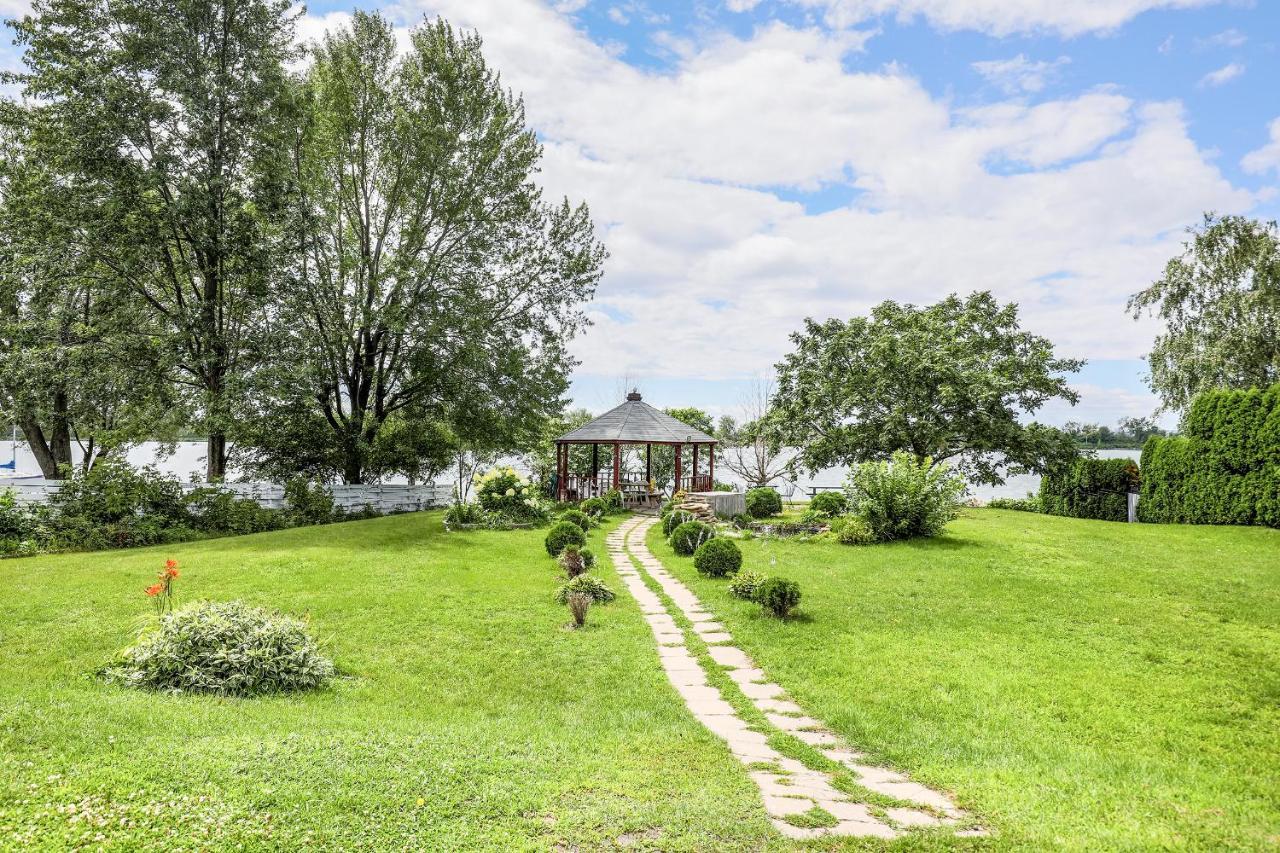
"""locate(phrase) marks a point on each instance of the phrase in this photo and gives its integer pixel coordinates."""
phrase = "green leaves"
(1220, 301)
(950, 381)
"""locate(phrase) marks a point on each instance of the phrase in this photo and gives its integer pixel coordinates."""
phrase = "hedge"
(1225, 469)
(1090, 488)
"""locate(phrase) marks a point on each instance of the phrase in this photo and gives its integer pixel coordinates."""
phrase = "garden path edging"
(790, 788)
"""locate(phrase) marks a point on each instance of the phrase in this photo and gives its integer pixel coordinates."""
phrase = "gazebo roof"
(636, 422)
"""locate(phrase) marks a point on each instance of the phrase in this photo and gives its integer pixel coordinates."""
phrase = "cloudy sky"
(753, 162)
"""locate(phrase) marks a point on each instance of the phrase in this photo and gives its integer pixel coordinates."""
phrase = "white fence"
(384, 498)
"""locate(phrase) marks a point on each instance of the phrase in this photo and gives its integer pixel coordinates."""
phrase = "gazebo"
(632, 423)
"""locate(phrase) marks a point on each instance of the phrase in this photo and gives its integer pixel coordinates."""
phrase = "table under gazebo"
(633, 423)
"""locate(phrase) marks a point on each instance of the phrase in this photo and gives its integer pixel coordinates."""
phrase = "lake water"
(187, 460)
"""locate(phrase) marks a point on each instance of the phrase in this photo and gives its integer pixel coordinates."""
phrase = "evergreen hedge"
(1224, 469)
(1090, 488)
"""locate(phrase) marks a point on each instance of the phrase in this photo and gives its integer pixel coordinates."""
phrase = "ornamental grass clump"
(223, 648)
(562, 535)
(580, 593)
(686, 538)
(717, 558)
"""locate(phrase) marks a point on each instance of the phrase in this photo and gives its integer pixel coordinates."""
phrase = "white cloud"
(1226, 38)
(1225, 74)
(1266, 158)
(1002, 17)
(741, 5)
(1020, 74)
(1066, 206)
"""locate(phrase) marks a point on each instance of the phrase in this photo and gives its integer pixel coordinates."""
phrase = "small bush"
(464, 513)
(588, 585)
(667, 506)
(1030, 503)
(594, 507)
(572, 562)
(687, 537)
(829, 504)
(579, 603)
(562, 535)
(229, 649)
(674, 520)
(741, 521)
(717, 558)
(763, 502)
(307, 502)
(577, 517)
(613, 500)
(903, 498)
(218, 510)
(746, 585)
(852, 530)
(506, 492)
(779, 596)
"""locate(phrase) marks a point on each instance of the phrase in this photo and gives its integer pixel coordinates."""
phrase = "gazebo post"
(617, 466)
(595, 466)
(679, 453)
(694, 481)
(648, 464)
(559, 472)
(711, 465)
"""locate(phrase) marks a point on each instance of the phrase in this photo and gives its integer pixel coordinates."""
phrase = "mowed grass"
(1078, 684)
(468, 716)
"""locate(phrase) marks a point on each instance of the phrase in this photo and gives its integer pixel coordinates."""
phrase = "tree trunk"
(52, 451)
(215, 470)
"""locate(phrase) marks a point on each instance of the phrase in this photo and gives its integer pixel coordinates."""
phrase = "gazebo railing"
(697, 483)
(579, 487)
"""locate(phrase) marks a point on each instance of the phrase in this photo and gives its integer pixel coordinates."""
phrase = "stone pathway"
(787, 786)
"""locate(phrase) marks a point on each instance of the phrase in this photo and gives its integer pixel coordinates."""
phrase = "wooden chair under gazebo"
(634, 422)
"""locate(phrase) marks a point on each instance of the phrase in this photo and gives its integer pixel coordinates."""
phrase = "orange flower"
(171, 564)
(155, 589)
(172, 573)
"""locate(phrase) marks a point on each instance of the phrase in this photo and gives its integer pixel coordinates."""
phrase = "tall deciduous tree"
(1220, 301)
(754, 451)
(71, 347)
(175, 121)
(432, 279)
(948, 382)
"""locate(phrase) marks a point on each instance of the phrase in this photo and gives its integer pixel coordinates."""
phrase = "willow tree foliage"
(950, 382)
(174, 123)
(431, 281)
(1220, 301)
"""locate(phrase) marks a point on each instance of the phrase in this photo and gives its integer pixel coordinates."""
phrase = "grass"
(468, 716)
(1077, 684)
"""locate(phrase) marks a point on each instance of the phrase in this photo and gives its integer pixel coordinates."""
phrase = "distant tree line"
(346, 271)
(1128, 432)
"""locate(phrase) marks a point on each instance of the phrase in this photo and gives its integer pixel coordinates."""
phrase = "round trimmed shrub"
(588, 558)
(562, 535)
(687, 537)
(578, 517)
(717, 558)
(674, 520)
(594, 507)
(763, 502)
(778, 595)
(829, 504)
(746, 585)
(225, 648)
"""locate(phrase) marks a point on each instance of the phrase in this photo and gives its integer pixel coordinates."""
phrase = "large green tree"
(174, 121)
(1220, 302)
(432, 282)
(71, 346)
(948, 382)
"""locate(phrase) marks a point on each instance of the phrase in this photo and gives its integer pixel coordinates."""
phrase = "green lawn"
(1077, 684)
(463, 691)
